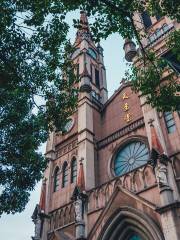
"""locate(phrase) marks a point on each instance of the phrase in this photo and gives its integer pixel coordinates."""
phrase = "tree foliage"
(157, 79)
(37, 78)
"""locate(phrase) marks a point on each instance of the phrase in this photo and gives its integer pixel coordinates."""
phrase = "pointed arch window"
(65, 175)
(135, 237)
(56, 179)
(73, 170)
(170, 123)
(97, 78)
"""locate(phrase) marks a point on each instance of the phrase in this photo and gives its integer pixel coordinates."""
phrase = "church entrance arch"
(130, 224)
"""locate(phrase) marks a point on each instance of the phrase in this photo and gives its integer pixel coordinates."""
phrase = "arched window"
(65, 175)
(170, 123)
(135, 237)
(151, 38)
(158, 32)
(73, 170)
(56, 179)
(131, 156)
(165, 27)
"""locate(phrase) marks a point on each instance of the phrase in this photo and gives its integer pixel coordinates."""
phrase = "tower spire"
(83, 29)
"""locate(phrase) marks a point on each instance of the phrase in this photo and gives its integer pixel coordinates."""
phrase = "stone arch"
(117, 182)
(101, 197)
(72, 213)
(149, 176)
(107, 193)
(125, 222)
(95, 200)
(138, 181)
(127, 182)
(66, 216)
(61, 218)
(51, 222)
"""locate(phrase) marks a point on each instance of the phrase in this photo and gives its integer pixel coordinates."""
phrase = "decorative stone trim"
(120, 133)
(168, 207)
(67, 148)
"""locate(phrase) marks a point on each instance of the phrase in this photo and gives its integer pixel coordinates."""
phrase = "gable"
(121, 109)
(122, 200)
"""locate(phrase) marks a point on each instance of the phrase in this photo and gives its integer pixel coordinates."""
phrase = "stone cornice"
(121, 132)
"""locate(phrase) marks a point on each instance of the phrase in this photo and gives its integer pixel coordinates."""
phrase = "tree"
(37, 78)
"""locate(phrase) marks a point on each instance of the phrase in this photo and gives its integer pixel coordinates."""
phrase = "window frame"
(146, 20)
(172, 127)
(65, 174)
(56, 179)
(123, 145)
(73, 170)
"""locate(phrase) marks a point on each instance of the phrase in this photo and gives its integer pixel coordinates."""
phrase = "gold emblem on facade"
(128, 117)
(125, 96)
(126, 107)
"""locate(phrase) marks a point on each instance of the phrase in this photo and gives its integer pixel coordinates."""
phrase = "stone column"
(85, 129)
(80, 223)
(170, 209)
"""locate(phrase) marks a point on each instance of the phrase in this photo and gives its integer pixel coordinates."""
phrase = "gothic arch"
(73, 166)
(128, 221)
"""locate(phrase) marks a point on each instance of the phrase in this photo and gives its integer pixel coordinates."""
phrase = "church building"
(114, 173)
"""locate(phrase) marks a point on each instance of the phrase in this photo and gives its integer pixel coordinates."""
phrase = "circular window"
(131, 156)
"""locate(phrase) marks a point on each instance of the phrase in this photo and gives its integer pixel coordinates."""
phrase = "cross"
(151, 122)
(81, 160)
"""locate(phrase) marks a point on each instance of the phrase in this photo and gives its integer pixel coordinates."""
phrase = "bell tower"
(93, 90)
(90, 62)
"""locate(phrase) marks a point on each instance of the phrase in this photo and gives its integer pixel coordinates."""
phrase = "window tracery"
(131, 156)
(56, 179)
(73, 170)
(65, 175)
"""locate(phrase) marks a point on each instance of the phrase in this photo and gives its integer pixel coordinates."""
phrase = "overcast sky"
(20, 226)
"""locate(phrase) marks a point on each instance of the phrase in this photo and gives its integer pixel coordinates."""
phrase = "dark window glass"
(169, 120)
(158, 17)
(65, 175)
(91, 72)
(158, 33)
(172, 61)
(146, 19)
(165, 27)
(56, 180)
(135, 237)
(130, 157)
(73, 170)
(97, 78)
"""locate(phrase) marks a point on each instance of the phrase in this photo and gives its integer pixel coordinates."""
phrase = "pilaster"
(86, 138)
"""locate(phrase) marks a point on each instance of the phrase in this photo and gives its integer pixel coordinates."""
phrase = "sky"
(20, 226)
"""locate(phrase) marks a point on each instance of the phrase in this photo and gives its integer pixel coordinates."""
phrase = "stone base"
(80, 230)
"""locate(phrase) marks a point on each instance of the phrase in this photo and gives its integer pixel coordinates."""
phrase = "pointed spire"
(155, 143)
(84, 30)
(84, 20)
(80, 179)
(42, 202)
